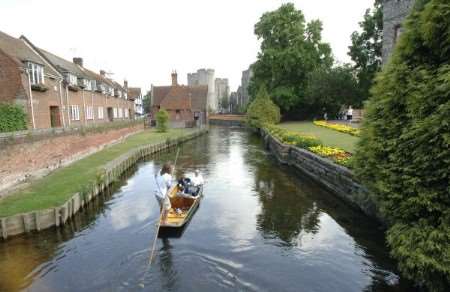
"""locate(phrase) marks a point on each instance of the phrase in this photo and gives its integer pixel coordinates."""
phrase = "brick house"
(55, 92)
(186, 105)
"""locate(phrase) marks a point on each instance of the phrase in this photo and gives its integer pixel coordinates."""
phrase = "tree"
(225, 103)
(404, 153)
(262, 110)
(329, 89)
(146, 100)
(162, 119)
(290, 50)
(366, 49)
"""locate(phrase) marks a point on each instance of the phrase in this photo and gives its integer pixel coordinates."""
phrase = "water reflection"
(260, 227)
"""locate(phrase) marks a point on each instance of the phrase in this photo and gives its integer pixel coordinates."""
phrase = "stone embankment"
(43, 219)
(338, 179)
(227, 120)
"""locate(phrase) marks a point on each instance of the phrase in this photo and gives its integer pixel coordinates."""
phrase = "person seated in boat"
(197, 180)
(163, 185)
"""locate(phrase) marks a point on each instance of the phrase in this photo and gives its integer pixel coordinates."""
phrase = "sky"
(143, 41)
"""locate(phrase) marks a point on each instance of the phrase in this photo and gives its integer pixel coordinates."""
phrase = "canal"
(260, 227)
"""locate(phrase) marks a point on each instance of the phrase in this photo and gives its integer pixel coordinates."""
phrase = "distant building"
(55, 92)
(135, 94)
(222, 90)
(205, 77)
(394, 13)
(186, 105)
(243, 97)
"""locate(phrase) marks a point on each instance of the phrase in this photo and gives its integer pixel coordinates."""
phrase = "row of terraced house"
(55, 92)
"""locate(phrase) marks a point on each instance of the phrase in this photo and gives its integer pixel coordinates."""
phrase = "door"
(55, 117)
(110, 114)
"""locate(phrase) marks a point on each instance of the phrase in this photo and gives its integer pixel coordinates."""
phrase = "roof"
(63, 65)
(20, 51)
(181, 97)
(134, 92)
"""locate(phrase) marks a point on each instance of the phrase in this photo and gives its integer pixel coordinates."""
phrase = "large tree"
(366, 49)
(290, 50)
(329, 89)
(404, 153)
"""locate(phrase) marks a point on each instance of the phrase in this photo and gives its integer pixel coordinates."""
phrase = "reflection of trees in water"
(285, 210)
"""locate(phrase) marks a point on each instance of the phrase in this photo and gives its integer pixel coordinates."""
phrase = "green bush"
(292, 138)
(12, 118)
(262, 110)
(162, 120)
(404, 152)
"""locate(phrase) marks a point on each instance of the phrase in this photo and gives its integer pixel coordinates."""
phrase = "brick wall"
(34, 159)
(10, 79)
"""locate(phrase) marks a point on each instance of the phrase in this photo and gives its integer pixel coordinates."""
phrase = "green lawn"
(328, 137)
(54, 189)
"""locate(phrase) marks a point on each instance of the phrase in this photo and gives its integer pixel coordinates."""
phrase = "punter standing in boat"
(163, 184)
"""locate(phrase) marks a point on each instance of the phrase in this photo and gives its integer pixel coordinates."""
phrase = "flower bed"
(337, 127)
(310, 143)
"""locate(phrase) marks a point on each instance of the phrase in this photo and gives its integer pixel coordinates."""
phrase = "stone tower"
(394, 13)
(205, 77)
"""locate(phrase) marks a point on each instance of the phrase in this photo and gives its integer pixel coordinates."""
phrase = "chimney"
(103, 73)
(174, 78)
(78, 61)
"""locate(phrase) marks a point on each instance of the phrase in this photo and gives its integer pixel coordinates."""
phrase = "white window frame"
(71, 79)
(87, 84)
(89, 112)
(74, 113)
(100, 113)
(93, 85)
(115, 113)
(126, 113)
(36, 72)
(120, 113)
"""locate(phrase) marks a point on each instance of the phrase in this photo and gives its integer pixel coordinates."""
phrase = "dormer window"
(71, 79)
(111, 91)
(93, 85)
(36, 72)
(87, 84)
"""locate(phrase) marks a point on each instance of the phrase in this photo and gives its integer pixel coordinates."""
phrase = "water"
(260, 227)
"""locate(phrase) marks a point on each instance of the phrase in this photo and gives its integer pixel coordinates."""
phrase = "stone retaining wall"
(227, 123)
(43, 219)
(335, 178)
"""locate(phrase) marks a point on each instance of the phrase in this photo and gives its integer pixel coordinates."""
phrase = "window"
(74, 112)
(100, 113)
(177, 116)
(93, 85)
(71, 79)
(115, 112)
(397, 32)
(89, 112)
(120, 93)
(36, 72)
(120, 113)
(126, 113)
(87, 84)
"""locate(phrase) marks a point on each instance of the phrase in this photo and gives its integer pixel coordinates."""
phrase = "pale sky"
(143, 41)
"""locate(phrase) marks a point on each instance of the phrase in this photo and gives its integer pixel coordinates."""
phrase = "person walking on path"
(349, 114)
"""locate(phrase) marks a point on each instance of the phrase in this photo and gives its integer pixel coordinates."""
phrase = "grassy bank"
(328, 137)
(54, 189)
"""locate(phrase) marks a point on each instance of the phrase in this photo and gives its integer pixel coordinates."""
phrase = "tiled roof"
(64, 66)
(19, 50)
(134, 92)
(180, 97)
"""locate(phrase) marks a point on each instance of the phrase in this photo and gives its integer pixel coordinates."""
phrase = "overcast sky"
(143, 41)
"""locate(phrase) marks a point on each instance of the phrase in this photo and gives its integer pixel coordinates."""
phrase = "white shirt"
(163, 184)
(197, 180)
(350, 112)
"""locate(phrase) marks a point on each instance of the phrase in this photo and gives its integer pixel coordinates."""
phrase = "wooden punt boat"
(183, 208)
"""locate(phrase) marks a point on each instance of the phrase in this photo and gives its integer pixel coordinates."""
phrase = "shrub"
(162, 120)
(262, 110)
(404, 152)
(12, 118)
(337, 127)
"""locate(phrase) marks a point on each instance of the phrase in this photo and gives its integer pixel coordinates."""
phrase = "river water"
(260, 227)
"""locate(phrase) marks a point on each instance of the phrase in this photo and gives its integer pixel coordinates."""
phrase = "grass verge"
(328, 137)
(57, 187)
